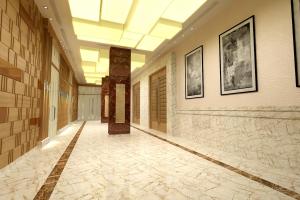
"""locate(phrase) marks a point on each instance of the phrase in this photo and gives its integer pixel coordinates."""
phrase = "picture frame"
(295, 5)
(194, 83)
(237, 49)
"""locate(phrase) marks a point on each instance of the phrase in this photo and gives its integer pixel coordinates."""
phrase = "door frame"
(53, 128)
(149, 96)
(134, 106)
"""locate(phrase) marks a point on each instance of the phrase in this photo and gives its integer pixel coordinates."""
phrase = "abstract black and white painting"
(238, 59)
(194, 74)
(296, 28)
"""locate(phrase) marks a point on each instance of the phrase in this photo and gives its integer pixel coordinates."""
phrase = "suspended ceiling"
(88, 28)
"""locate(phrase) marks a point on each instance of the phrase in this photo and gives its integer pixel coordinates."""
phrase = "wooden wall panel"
(21, 47)
(74, 100)
(136, 103)
(158, 101)
(63, 98)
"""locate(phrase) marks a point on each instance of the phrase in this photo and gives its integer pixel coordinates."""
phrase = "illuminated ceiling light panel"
(137, 60)
(103, 31)
(87, 54)
(103, 63)
(97, 40)
(85, 9)
(115, 10)
(133, 68)
(130, 39)
(88, 69)
(94, 75)
(150, 43)
(180, 10)
(132, 36)
(102, 68)
(166, 29)
(92, 80)
(99, 82)
(144, 14)
(128, 43)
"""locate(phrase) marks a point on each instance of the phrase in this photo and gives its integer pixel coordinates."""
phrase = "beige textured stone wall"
(256, 132)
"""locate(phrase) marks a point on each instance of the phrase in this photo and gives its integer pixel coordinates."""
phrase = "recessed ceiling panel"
(115, 10)
(180, 10)
(150, 43)
(88, 54)
(144, 15)
(88, 68)
(103, 31)
(85, 9)
(166, 29)
(137, 60)
(103, 62)
(94, 75)
(93, 80)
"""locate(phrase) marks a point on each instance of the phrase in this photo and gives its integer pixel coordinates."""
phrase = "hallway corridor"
(135, 166)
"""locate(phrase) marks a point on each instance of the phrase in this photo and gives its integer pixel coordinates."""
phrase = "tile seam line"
(40, 195)
(245, 174)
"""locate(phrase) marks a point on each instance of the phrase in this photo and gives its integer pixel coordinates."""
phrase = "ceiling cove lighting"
(115, 10)
(102, 31)
(91, 55)
(137, 61)
(186, 8)
(103, 62)
(94, 75)
(144, 15)
(88, 67)
(93, 80)
(149, 43)
(85, 9)
(166, 29)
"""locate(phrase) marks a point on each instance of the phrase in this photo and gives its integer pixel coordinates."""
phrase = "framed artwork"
(194, 85)
(238, 59)
(296, 31)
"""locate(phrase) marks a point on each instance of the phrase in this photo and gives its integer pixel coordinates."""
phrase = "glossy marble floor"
(135, 166)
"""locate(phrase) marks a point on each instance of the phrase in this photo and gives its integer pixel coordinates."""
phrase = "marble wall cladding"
(264, 141)
(119, 75)
(171, 98)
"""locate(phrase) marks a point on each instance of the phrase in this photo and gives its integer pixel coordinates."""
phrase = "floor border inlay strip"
(46, 190)
(257, 179)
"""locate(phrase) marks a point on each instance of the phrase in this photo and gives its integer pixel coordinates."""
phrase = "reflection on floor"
(23, 178)
(135, 166)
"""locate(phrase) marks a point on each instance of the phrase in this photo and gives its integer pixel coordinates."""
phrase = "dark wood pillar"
(119, 91)
(105, 100)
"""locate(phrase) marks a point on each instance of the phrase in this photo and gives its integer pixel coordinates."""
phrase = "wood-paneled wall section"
(20, 77)
(136, 103)
(158, 101)
(46, 78)
(64, 96)
(74, 100)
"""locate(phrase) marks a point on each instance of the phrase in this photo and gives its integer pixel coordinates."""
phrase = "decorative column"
(105, 100)
(119, 91)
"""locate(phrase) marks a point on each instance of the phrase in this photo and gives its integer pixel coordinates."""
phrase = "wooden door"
(53, 105)
(158, 101)
(136, 103)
